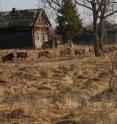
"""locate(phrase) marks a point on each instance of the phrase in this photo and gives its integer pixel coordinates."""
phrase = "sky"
(18, 4)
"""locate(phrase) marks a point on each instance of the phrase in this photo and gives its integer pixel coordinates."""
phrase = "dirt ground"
(57, 90)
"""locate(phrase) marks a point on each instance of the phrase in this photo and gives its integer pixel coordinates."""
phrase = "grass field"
(57, 90)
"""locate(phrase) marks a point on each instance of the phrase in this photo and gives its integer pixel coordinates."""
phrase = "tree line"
(70, 23)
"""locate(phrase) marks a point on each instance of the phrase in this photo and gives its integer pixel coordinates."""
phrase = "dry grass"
(57, 90)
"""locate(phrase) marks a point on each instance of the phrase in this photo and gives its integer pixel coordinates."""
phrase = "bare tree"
(101, 10)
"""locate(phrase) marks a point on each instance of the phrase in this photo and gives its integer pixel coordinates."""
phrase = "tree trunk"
(101, 33)
(98, 43)
(98, 46)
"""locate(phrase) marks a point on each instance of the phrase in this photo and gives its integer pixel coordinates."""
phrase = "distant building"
(112, 36)
(88, 38)
(24, 28)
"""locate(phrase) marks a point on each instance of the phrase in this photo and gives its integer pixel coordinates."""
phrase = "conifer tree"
(68, 19)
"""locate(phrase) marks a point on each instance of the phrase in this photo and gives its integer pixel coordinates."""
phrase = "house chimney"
(13, 10)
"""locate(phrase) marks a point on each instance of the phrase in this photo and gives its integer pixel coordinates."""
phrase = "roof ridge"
(21, 10)
(19, 18)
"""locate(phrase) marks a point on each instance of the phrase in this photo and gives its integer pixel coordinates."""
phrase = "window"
(37, 36)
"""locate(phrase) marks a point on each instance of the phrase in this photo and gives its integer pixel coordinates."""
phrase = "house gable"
(42, 20)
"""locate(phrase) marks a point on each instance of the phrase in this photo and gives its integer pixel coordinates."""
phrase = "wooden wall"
(40, 36)
(112, 37)
(16, 38)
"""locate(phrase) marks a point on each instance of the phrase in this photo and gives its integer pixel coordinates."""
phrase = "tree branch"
(81, 4)
(112, 13)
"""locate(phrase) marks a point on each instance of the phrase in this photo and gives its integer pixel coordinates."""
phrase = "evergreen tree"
(69, 22)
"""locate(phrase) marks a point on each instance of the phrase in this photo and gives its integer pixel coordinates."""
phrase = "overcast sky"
(19, 4)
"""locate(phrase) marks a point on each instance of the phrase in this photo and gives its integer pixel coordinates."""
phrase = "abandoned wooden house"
(24, 28)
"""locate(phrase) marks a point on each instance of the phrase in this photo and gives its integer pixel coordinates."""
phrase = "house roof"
(19, 18)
